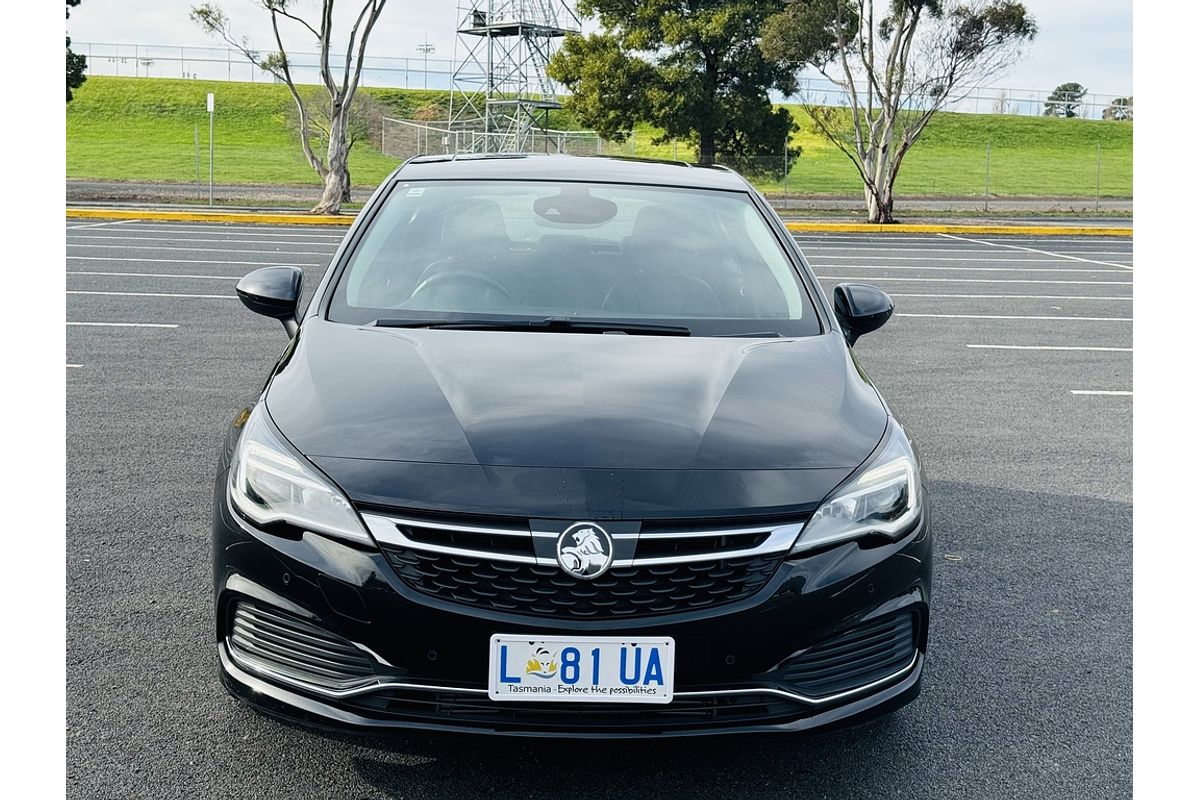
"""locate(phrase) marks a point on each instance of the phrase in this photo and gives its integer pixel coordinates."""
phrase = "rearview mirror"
(273, 292)
(860, 309)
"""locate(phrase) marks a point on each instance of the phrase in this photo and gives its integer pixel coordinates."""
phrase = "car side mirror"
(860, 309)
(273, 292)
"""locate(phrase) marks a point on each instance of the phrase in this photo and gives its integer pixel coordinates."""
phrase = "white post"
(987, 174)
(211, 106)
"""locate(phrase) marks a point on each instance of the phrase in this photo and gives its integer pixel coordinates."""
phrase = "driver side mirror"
(273, 292)
(860, 309)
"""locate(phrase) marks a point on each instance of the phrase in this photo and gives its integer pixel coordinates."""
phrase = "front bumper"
(432, 658)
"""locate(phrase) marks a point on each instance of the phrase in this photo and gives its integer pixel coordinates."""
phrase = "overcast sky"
(1089, 41)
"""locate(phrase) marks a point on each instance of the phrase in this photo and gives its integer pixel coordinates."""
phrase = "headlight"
(884, 500)
(268, 483)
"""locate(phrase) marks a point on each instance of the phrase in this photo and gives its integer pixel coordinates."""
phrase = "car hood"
(594, 401)
(570, 425)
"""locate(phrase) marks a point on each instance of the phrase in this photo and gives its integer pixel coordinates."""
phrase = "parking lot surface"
(1009, 359)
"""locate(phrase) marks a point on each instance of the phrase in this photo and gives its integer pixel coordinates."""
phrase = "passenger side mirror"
(273, 292)
(860, 309)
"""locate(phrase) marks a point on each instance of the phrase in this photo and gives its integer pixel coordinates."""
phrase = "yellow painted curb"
(989, 230)
(283, 218)
(264, 218)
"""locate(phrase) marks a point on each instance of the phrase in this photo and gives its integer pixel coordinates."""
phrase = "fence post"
(1097, 178)
(197, 132)
(211, 109)
(785, 173)
(987, 175)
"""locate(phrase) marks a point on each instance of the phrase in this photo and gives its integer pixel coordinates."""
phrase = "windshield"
(509, 250)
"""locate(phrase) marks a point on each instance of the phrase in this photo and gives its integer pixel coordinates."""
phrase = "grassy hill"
(145, 129)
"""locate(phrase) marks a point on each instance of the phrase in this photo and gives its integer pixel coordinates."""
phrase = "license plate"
(596, 669)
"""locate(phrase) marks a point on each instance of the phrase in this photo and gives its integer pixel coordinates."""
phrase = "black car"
(570, 446)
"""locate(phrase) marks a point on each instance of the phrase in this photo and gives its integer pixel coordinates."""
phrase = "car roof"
(536, 166)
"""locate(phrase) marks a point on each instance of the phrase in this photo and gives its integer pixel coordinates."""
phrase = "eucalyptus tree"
(897, 62)
(340, 82)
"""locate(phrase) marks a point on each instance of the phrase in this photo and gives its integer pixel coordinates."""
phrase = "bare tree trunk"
(708, 148)
(879, 206)
(331, 197)
(337, 185)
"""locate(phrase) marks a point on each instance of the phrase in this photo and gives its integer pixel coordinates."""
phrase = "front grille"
(270, 640)
(467, 708)
(855, 658)
(548, 591)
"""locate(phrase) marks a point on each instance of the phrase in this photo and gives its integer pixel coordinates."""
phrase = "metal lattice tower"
(501, 88)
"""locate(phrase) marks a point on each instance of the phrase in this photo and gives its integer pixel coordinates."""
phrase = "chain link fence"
(1086, 177)
(226, 64)
(422, 72)
(403, 139)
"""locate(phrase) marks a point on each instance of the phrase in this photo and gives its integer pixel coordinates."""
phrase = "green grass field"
(144, 129)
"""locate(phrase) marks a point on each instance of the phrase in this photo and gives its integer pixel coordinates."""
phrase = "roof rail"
(645, 160)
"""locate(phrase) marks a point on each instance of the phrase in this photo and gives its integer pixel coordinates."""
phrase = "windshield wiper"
(751, 335)
(552, 324)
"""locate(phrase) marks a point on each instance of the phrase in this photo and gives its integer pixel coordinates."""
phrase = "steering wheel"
(463, 276)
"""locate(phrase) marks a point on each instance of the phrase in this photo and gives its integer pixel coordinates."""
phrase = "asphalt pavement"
(1009, 359)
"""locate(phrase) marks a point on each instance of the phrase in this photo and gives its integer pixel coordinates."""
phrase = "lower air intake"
(862, 655)
(289, 647)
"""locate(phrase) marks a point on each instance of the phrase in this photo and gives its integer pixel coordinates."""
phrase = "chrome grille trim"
(816, 701)
(231, 665)
(387, 530)
(447, 526)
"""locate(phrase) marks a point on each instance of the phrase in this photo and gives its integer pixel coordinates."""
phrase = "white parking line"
(985, 259)
(1016, 296)
(122, 324)
(223, 240)
(870, 238)
(238, 229)
(98, 224)
(158, 294)
(183, 261)
(1068, 239)
(157, 275)
(1035, 250)
(1049, 347)
(907, 249)
(973, 280)
(925, 268)
(207, 249)
(1015, 316)
(74, 366)
(1103, 393)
